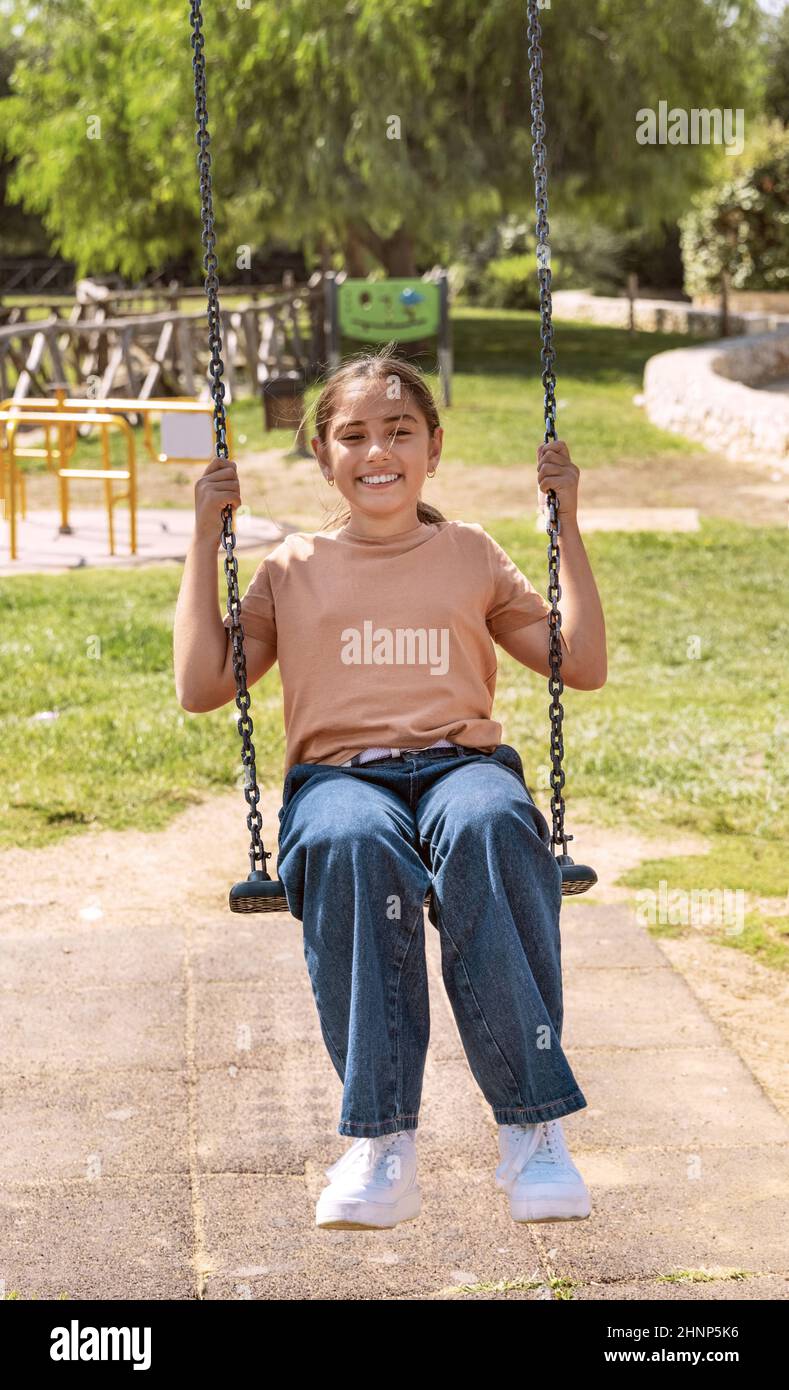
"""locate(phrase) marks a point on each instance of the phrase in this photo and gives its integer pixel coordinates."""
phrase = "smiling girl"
(397, 783)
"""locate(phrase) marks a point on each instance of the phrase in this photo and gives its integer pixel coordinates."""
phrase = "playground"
(170, 1105)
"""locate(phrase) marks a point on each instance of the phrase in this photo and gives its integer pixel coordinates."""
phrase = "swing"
(259, 892)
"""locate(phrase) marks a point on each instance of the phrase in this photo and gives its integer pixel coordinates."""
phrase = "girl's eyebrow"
(388, 419)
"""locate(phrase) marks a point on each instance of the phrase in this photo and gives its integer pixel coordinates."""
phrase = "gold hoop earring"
(330, 481)
(431, 475)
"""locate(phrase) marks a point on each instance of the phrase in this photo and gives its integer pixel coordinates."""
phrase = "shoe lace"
(540, 1144)
(549, 1149)
(367, 1154)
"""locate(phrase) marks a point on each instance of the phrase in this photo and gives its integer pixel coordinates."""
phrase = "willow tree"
(371, 129)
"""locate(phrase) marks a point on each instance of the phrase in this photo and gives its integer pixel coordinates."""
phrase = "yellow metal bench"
(10, 421)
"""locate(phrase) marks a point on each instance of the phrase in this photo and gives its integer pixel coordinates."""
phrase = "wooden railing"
(98, 352)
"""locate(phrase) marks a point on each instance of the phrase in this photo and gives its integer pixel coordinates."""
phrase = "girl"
(396, 783)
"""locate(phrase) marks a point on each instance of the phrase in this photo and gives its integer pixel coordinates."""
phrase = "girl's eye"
(350, 438)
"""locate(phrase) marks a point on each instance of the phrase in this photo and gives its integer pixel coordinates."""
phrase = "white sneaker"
(373, 1185)
(539, 1175)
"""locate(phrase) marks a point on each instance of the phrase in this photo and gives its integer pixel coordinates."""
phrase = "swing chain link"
(548, 357)
(257, 853)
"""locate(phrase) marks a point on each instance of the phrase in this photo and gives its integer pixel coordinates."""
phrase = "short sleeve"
(514, 602)
(258, 617)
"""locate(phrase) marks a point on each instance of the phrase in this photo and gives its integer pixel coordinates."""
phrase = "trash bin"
(283, 400)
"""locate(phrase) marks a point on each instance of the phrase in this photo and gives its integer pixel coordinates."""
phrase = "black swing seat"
(259, 893)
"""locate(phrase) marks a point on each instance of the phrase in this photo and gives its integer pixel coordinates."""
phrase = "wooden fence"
(98, 352)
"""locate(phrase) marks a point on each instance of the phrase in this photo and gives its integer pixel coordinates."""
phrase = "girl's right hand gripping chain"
(216, 489)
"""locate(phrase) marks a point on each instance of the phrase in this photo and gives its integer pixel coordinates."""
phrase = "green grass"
(688, 735)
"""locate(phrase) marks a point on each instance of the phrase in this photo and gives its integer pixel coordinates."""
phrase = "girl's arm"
(584, 656)
(202, 650)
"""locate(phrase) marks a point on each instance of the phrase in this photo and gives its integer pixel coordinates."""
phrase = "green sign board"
(377, 310)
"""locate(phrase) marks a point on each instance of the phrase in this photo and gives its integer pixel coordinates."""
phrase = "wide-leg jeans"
(359, 847)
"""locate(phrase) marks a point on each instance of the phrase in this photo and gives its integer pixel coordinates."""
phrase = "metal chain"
(548, 357)
(257, 853)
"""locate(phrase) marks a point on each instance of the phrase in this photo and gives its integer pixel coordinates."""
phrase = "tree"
(741, 225)
(22, 233)
(370, 129)
(776, 40)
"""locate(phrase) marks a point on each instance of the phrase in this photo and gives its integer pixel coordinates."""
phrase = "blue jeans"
(358, 849)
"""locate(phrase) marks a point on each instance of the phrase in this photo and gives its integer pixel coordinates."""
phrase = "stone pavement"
(163, 533)
(169, 1107)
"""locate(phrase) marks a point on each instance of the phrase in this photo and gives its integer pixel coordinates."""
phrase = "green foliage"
(776, 43)
(305, 96)
(741, 225)
(500, 271)
(510, 282)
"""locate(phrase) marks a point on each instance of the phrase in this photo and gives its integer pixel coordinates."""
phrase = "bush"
(510, 282)
(741, 224)
(500, 272)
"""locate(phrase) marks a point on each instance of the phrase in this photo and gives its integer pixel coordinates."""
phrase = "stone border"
(708, 393)
(660, 315)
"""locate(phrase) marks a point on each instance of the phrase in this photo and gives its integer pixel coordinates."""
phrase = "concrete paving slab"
(276, 1254)
(718, 1208)
(73, 956)
(114, 1238)
(597, 938)
(85, 1030)
(69, 1126)
(238, 1023)
(696, 1088)
(667, 1014)
(269, 1119)
(163, 533)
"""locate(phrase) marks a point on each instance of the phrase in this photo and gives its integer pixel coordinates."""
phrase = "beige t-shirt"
(387, 642)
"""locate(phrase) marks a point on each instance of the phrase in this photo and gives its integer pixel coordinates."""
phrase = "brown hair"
(372, 367)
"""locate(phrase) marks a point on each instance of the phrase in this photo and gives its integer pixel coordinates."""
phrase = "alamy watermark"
(695, 127)
(695, 907)
(400, 646)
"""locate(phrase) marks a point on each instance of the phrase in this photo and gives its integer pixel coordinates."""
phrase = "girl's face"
(372, 435)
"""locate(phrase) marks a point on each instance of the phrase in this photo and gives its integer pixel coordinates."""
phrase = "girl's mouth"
(387, 480)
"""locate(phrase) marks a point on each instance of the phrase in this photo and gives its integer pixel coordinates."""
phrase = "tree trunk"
(398, 254)
(355, 259)
(395, 253)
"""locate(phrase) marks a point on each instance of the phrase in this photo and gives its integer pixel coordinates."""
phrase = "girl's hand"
(216, 489)
(556, 471)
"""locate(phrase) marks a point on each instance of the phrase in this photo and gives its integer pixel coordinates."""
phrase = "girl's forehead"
(376, 401)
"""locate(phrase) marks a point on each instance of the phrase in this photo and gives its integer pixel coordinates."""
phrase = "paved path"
(163, 533)
(169, 1107)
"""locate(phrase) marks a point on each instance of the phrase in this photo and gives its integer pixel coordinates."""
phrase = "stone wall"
(762, 301)
(710, 393)
(660, 315)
